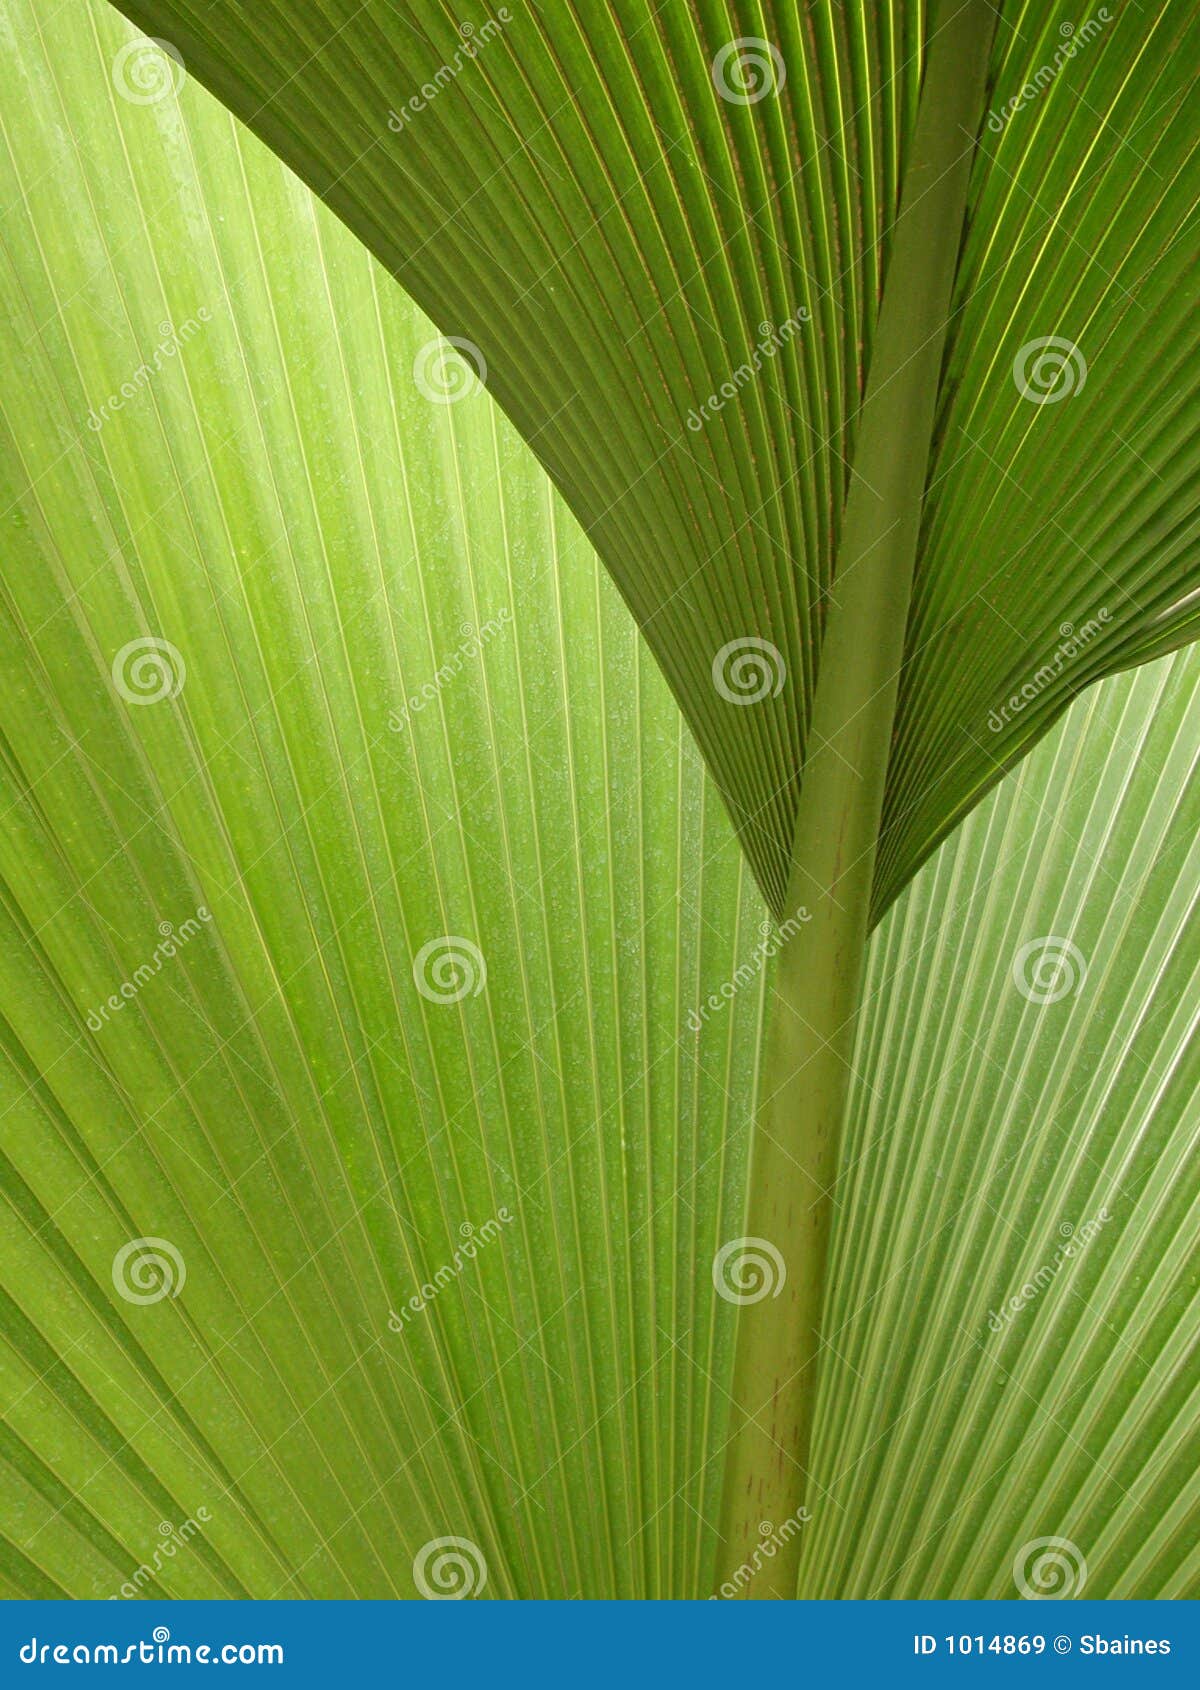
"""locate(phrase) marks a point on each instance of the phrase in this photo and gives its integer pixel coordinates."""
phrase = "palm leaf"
(307, 1112)
(852, 527)
(337, 788)
(618, 210)
(1011, 1324)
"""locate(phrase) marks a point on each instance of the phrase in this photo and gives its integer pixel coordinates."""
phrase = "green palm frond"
(644, 214)
(397, 703)
(1011, 1326)
(513, 852)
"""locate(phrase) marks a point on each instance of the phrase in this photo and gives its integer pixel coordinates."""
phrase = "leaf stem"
(811, 1025)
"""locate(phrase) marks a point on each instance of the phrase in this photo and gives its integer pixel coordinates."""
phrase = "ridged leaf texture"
(625, 205)
(311, 1117)
(1011, 1323)
(396, 703)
